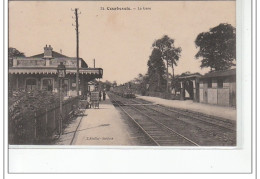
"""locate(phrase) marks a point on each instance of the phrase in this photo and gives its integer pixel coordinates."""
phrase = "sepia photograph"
(128, 87)
(122, 73)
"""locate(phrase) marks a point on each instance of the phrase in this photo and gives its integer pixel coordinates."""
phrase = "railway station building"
(40, 72)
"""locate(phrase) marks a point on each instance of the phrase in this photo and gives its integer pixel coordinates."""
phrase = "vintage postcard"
(150, 74)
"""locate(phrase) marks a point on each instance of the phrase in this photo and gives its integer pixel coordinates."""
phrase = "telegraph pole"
(77, 49)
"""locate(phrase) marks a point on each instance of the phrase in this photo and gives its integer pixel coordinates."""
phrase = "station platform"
(208, 109)
(103, 126)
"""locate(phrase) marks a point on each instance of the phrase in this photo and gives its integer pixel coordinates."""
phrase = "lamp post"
(61, 70)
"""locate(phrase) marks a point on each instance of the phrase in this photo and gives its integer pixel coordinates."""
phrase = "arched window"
(47, 84)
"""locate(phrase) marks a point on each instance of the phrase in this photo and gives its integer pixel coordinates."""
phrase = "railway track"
(217, 122)
(200, 129)
(159, 133)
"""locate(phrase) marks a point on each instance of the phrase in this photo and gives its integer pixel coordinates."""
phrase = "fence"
(40, 127)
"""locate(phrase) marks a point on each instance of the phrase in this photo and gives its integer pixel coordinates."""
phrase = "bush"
(21, 115)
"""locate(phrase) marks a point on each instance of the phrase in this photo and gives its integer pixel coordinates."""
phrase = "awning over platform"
(90, 71)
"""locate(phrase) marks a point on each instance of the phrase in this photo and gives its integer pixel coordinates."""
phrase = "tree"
(114, 83)
(156, 71)
(13, 52)
(140, 83)
(138, 79)
(170, 53)
(108, 85)
(217, 47)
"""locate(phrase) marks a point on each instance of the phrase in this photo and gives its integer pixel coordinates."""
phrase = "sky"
(120, 41)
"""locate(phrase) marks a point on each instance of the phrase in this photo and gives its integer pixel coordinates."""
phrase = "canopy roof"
(98, 72)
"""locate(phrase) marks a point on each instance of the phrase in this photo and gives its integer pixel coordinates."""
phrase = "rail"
(158, 130)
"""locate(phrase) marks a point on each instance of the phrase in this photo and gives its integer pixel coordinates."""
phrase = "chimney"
(47, 52)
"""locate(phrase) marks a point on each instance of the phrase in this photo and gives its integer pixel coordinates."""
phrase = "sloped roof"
(54, 55)
(58, 56)
(231, 72)
(190, 76)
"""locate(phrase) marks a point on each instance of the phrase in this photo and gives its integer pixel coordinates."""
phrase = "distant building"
(218, 87)
(40, 72)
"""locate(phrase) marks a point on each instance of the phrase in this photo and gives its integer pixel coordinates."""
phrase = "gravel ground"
(214, 110)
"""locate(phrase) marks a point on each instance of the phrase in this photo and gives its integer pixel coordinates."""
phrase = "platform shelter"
(190, 87)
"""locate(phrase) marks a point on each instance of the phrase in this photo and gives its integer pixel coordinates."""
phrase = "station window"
(220, 83)
(210, 83)
(73, 84)
(65, 86)
(47, 84)
(31, 84)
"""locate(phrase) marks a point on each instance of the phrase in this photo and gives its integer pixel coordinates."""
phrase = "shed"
(218, 87)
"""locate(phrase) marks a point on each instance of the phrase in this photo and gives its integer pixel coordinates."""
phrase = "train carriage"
(123, 91)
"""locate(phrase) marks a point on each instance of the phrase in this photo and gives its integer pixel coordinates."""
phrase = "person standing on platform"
(88, 101)
(104, 95)
(100, 95)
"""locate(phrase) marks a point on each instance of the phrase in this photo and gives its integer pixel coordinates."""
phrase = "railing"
(40, 127)
(47, 123)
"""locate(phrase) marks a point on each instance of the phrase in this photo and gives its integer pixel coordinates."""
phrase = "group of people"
(88, 100)
(100, 95)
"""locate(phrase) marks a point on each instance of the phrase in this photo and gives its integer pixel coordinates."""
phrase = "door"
(47, 84)
(65, 87)
(31, 84)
